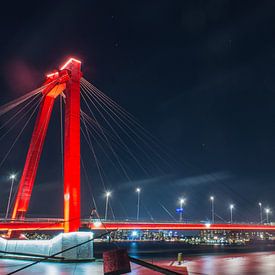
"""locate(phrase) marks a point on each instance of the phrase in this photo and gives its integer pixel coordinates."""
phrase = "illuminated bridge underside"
(44, 225)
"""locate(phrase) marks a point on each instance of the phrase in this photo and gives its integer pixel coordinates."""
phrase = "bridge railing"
(171, 222)
(29, 220)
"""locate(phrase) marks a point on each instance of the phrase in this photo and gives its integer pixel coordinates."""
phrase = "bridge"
(66, 82)
(59, 225)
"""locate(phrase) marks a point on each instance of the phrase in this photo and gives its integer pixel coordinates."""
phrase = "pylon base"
(26, 249)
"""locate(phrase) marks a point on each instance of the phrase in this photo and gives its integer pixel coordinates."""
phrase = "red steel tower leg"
(72, 149)
(33, 157)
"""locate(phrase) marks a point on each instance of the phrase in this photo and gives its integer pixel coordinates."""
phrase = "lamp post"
(261, 212)
(108, 194)
(231, 212)
(212, 209)
(12, 178)
(267, 211)
(181, 208)
(138, 202)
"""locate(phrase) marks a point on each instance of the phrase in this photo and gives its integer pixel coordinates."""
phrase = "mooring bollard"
(180, 258)
(116, 262)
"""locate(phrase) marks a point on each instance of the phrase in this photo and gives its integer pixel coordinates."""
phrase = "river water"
(254, 263)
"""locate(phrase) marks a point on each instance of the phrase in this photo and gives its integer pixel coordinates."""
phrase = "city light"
(97, 224)
(182, 201)
(208, 225)
(12, 176)
(134, 233)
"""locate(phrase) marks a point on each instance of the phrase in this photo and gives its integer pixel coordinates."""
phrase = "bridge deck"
(40, 225)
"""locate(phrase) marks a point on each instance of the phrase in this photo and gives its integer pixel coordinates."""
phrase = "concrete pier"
(50, 247)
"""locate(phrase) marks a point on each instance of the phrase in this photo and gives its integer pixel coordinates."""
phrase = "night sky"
(199, 75)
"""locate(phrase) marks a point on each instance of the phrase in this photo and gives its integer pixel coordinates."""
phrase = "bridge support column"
(72, 150)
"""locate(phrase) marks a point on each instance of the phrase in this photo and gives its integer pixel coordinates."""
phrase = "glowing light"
(212, 198)
(68, 62)
(108, 194)
(97, 224)
(53, 74)
(231, 206)
(12, 176)
(267, 210)
(208, 225)
(260, 204)
(138, 190)
(182, 201)
(66, 197)
(134, 233)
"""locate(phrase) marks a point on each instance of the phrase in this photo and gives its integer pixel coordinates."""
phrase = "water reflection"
(262, 263)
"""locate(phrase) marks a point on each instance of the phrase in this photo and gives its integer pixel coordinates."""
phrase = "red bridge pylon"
(64, 82)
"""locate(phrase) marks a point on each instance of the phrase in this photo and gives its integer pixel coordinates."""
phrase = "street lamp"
(212, 209)
(267, 211)
(231, 212)
(138, 201)
(12, 178)
(261, 212)
(182, 201)
(108, 194)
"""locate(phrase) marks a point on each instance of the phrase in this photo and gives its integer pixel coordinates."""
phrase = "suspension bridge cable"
(14, 103)
(89, 186)
(111, 110)
(18, 136)
(115, 132)
(122, 207)
(167, 211)
(95, 157)
(129, 117)
(97, 133)
(115, 118)
(84, 121)
(94, 127)
(122, 111)
(15, 123)
(19, 111)
(108, 142)
(117, 135)
(99, 167)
